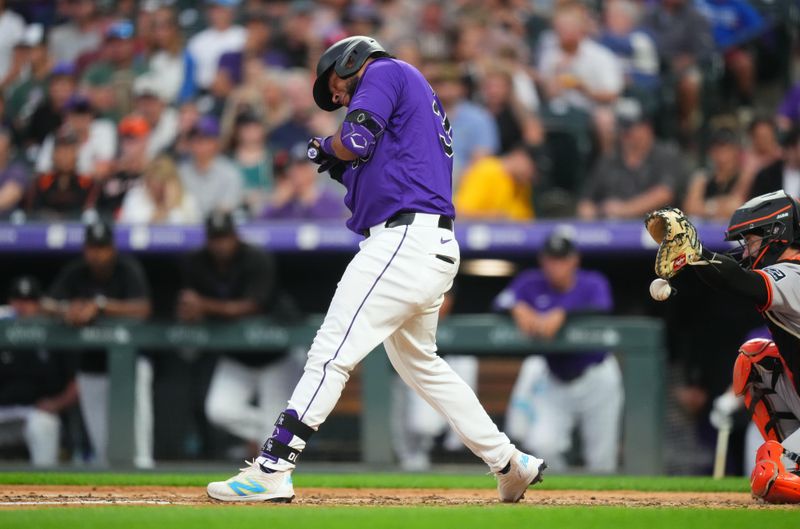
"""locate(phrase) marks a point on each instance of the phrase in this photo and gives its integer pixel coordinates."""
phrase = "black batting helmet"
(775, 217)
(345, 57)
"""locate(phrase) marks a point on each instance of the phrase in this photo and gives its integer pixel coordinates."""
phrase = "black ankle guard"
(279, 450)
(293, 425)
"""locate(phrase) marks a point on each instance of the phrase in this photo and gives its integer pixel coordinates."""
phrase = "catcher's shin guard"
(770, 481)
(756, 373)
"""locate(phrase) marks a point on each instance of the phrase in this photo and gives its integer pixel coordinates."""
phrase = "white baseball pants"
(229, 400)
(93, 399)
(391, 292)
(40, 430)
(544, 410)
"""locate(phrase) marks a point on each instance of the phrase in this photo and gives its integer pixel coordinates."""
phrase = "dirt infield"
(33, 496)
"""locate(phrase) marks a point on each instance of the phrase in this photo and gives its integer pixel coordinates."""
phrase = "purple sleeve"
(513, 293)
(18, 173)
(378, 90)
(598, 293)
(790, 106)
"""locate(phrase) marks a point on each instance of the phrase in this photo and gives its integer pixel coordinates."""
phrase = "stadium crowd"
(178, 111)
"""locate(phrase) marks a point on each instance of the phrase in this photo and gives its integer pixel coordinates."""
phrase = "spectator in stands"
(104, 284)
(763, 150)
(14, 176)
(716, 193)
(685, 44)
(81, 34)
(170, 65)
(97, 138)
(109, 81)
(735, 24)
(634, 49)
(188, 116)
(62, 192)
(221, 36)
(298, 35)
(160, 197)
(249, 152)
(789, 110)
(474, 128)
(12, 30)
(642, 174)
(258, 44)
(161, 119)
(365, 19)
(498, 188)
(130, 163)
(299, 118)
(18, 66)
(513, 121)
(298, 193)
(31, 87)
(555, 393)
(784, 173)
(229, 280)
(48, 112)
(212, 178)
(578, 74)
(35, 386)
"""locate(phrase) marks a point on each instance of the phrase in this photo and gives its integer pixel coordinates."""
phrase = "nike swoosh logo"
(444, 241)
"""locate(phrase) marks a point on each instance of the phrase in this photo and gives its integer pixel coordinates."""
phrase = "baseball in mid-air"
(660, 289)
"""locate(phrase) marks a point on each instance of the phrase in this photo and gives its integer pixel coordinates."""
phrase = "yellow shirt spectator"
(497, 188)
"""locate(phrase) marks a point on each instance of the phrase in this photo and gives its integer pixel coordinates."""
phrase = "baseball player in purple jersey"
(556, 392)
(393, 153)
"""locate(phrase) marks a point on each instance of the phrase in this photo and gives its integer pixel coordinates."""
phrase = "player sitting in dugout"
(766, 373)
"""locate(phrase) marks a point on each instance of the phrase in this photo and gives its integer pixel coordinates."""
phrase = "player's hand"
(190, 306)
(526, 318)
(722, 410)
(551, 322)
(316, 151)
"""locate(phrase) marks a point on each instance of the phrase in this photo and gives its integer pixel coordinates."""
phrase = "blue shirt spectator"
(733, 22)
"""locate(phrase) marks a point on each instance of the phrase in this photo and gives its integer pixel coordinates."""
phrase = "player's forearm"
(339, 150)
(229, 308)
(725, 274)
(648, 201)
(137, 308)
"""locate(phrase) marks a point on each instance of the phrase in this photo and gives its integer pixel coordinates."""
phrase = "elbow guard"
(361, 131)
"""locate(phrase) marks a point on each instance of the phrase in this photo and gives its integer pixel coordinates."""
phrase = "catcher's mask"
(345, 57)
(773, 217)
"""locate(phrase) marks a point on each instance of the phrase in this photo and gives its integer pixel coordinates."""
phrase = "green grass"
(293, 517)
(387, 480)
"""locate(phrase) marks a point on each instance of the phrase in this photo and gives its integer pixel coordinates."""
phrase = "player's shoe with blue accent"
(525, 470)
(253, 484)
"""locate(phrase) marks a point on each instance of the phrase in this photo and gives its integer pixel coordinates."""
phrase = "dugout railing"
(637, 341)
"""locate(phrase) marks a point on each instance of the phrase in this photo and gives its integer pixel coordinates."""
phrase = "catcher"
(766, 373)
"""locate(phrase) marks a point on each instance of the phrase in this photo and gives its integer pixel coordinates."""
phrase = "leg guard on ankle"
(770, 481)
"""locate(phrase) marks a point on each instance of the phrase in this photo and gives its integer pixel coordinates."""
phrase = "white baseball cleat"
(253, 484)
(525, 471)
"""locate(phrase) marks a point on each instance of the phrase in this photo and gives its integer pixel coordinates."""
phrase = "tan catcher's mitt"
(677, 240)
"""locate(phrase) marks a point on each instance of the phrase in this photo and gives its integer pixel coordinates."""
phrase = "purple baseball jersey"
(411, 166)
(590, 293)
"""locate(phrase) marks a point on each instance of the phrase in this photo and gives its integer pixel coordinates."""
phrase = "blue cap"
(63, 68)
(122, 29)
(225, 3)
(78, 103)
(206, 126)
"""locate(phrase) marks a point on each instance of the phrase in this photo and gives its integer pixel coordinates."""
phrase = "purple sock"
(282, 435)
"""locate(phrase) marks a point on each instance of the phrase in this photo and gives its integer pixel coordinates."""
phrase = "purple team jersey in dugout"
(411, 166)
(591, 293)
